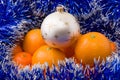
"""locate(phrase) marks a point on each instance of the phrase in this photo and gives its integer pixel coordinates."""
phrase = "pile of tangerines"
(34, 50)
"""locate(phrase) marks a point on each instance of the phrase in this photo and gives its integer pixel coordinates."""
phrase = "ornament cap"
(60, 9)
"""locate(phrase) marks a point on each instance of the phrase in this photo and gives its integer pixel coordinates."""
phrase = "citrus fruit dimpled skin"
(22, 58)
(47, 54)
(92, 45)
(33, 40)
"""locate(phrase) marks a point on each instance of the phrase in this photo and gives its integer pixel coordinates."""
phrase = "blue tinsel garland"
(19, 16)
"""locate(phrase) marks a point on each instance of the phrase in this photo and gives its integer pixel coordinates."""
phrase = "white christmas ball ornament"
(60, 29)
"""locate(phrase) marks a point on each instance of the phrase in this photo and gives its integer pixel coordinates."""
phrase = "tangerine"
(47, 54)
(70, 51)
(113, 46)
(92, 45)
(22, 58)
(16, 49)
(33, 40)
